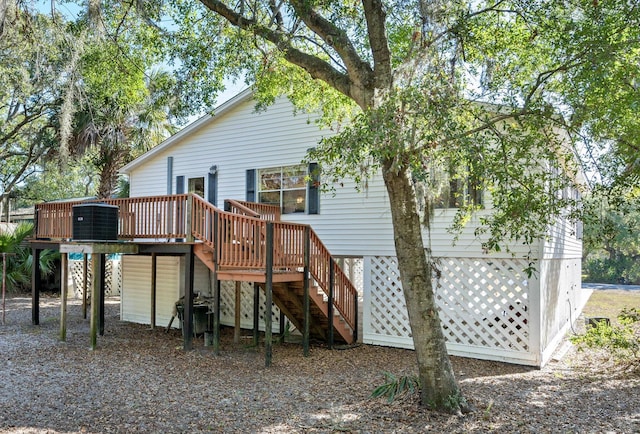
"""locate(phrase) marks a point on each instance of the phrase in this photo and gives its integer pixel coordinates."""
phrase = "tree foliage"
(611, 248)
(20, 260)
(32, 83)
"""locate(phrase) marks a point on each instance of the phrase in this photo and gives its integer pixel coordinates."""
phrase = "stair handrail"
(344, 292)
(236, 207)
(264, 211)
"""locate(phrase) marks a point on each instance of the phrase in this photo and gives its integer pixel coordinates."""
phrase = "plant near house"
(20, 260)
(621, 342)
(395, 387)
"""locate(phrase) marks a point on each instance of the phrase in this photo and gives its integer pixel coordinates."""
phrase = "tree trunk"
(439, 389)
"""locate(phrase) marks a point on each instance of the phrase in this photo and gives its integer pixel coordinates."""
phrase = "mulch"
(140, 380)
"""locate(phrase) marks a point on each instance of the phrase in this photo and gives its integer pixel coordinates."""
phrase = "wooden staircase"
(289, 297)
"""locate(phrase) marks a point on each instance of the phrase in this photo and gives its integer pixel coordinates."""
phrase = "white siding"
(561, 299)
(562, 242)
(350, 223)
(136, 288)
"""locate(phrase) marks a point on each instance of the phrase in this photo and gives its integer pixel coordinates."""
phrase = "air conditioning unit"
(95, 222)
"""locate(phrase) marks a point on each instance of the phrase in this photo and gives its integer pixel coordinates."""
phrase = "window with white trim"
(285, 186)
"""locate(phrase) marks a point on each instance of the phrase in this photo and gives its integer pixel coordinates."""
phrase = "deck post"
(96, 288)
(283, 318)
(189, 217)
(216, 287)
(306, 302)
(85, 283)
(187, 313)
(269, 297)
(355, 318)
(256, 314)
(332, 280)
(154, 265)
(216, 318)
(64, 288)
(236, 331)
(36, 285)
(102, 275)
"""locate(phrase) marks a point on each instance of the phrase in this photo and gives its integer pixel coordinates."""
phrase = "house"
(239, 158)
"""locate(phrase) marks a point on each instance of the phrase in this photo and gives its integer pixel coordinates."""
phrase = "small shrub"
(621, 341)
(394, 386)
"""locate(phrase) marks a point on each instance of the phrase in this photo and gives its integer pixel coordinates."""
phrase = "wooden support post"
(355, 318)
(306, 323)
(95, 296)
(216, 287)
(187, 313)
(103, 271)
(268, 344)
(189, 216)
(4, 285)
(154, 263)
(85, 283)
(283, 319)
(238, 313)
(64, 289)
(216, 318)
(332, 279)
(36, 285)
(256, 314)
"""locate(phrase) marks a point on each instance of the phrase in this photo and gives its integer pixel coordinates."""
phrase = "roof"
(188, 130)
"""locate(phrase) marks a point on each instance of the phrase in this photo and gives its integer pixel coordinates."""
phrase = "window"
(284, 186)
(456, 191)
(196, 185)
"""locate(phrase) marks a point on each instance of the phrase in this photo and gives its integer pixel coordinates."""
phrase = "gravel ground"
(139, 380)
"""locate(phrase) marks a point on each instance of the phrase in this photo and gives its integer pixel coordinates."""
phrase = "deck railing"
(138, 217)
(253, 209)
(239, 239)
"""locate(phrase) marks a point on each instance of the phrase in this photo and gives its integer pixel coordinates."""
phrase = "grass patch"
(610, 303)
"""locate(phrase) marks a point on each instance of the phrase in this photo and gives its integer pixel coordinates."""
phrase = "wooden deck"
(245, 242)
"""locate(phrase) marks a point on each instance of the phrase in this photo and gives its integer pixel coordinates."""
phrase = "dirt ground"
(140, 380)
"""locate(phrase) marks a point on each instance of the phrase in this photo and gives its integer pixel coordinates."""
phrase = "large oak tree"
(502, 92)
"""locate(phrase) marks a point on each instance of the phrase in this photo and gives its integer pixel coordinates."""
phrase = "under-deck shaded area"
(246, 242)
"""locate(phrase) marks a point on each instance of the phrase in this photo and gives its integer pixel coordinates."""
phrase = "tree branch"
(376, 29)
(315, 66)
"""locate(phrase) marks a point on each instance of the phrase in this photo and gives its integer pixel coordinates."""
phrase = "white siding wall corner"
(562, 301)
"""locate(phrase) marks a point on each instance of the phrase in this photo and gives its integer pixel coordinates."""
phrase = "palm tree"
(114, 134)
(20, 263)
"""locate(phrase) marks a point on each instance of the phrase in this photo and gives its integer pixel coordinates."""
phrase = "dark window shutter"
(251, 185)
(314, 188)
(179, 184)
(212, 194)
(169, 174)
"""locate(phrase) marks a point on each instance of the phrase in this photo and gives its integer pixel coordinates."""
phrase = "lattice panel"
(388, 310)
(353, 268)
(483, 303)
(228, 306)
(112, 280)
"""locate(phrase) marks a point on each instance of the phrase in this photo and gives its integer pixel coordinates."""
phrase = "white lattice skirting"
(228, 303)
(112, 281)
(484, 307)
